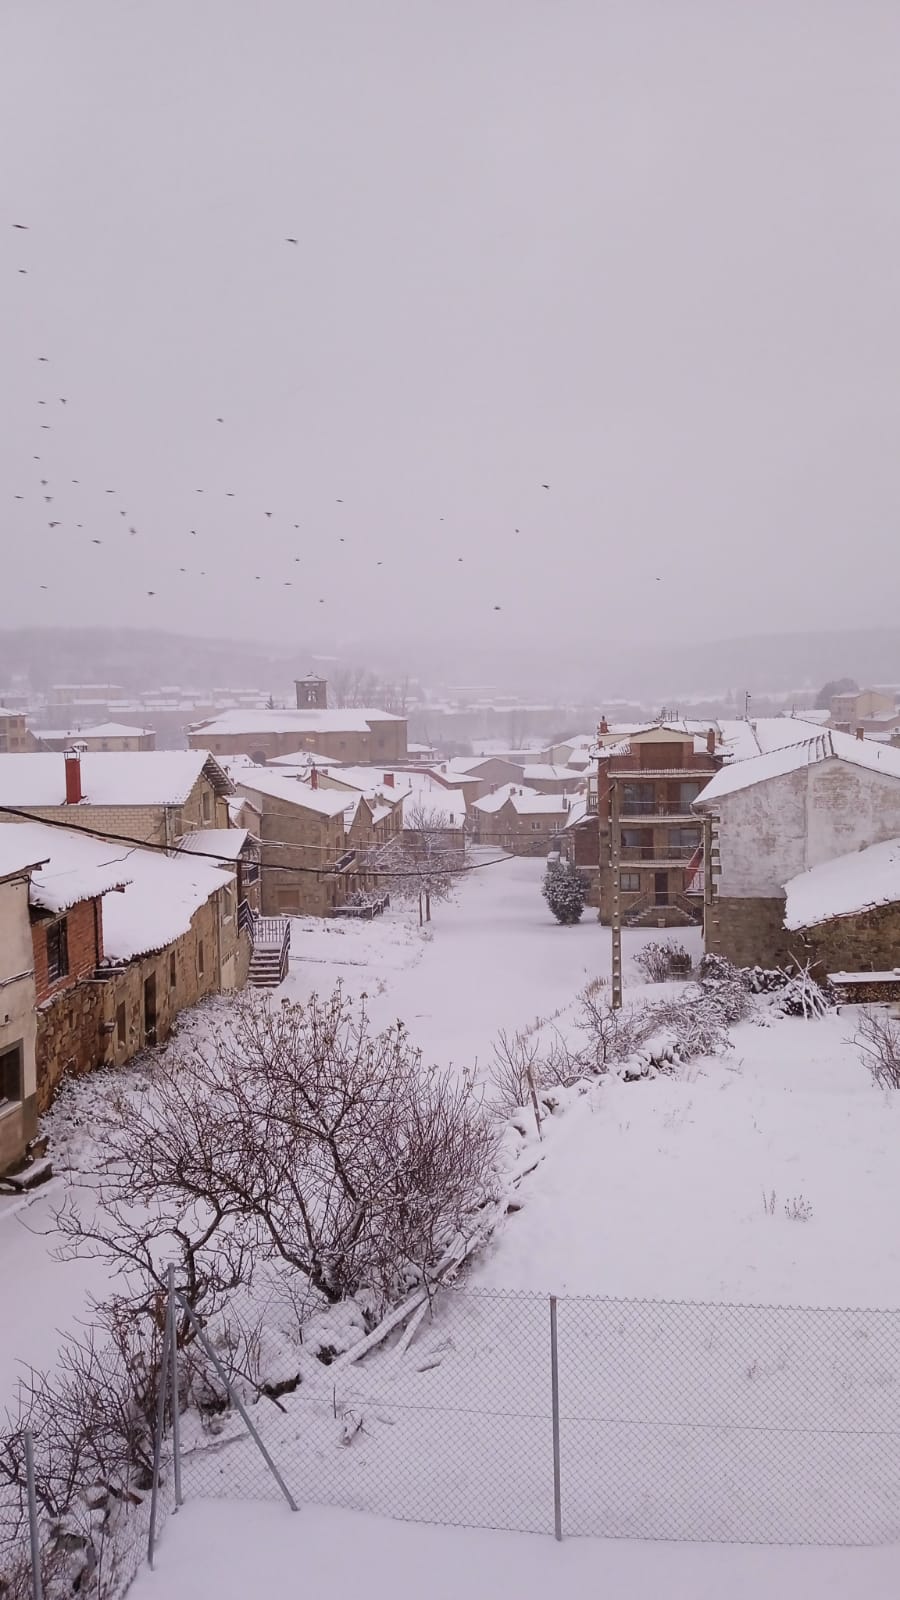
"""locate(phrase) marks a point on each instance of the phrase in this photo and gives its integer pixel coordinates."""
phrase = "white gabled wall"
(773, 830)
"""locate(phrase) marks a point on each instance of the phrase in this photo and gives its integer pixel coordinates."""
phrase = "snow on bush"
(660, 960)
(565, 890)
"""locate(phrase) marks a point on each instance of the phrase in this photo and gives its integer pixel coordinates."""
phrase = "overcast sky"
(645, 252)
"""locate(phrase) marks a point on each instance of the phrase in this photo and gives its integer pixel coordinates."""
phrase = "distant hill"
(141, 659)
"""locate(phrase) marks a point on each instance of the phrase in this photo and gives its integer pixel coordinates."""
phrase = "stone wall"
(867, 942)
(70, 1037)
(752, 933)
(18, 1121)
(296, 845)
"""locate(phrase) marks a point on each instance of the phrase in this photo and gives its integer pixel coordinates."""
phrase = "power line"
(211, 855)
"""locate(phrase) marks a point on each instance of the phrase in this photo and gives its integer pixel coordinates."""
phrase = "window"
(121, 1024)
(687, 794)
(200, 954)
(206, 805)
(10, 1076)
(536, 827)
(638, 798)
(630, 882)
(173, 970)
(57, 950)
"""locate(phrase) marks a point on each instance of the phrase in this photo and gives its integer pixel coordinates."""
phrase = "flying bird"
(43, 586)
(96, 541)
(22, 226)
(151, 591)
(498, 608)
(18, 497)
(62, 400)
(54, 524)
(229, 494)
(545, 485)
(43, 358)
(110, 491)
(133, 532)
(220, 419)
(268, 513)
(339, 502)
(292, 241)
(24, 274)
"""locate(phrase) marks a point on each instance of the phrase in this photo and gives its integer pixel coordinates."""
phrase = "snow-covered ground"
(232, 1551)
(658, 1190)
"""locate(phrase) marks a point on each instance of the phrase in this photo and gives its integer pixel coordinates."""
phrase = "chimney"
(603, 726)
(711, 742)
(314, 778)
(389, 780)
(860, 733)
(74, 791)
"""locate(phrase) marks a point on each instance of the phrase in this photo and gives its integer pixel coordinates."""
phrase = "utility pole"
(747, 698)
(615, 861)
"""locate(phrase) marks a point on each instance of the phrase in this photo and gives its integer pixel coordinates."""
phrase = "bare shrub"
(663, 959)
(612, 1034)
(523, 1071)
(798, 1209)
(878, 1044)
(769, 1203)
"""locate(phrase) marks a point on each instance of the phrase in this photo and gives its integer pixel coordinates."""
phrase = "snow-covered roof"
(542, 772)
(494, 802)
(161, 893)
(744, 739)
(844, 886)
(72, 867)
(577, 810)
(19, 851)
(302, 758)
(823, 746)
(282, 786)
(357, 719)
(111, 730)
(531, 804)
(445, 808)
(108, 777)
(225, 844)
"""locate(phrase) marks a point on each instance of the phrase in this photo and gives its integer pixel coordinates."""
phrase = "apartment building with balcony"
(642, 797)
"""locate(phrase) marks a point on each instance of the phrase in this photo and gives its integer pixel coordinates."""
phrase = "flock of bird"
(51, 499)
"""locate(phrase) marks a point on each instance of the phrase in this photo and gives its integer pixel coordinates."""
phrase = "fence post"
(37, 1584)
(157, 1442)
(239, 1404)
(173, 1356)
(554, 1389)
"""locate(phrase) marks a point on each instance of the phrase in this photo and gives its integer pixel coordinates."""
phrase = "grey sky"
(644, 252)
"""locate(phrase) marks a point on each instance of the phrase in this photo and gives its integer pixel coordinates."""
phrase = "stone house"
(120, 944)
(490, 771)
(15, 735)
(303, 842)
(774, 817)
(520, 821)
(850, 711)
(18, 1073)
(114, 736)
(354, 734)
(845, 913)
(154, 796)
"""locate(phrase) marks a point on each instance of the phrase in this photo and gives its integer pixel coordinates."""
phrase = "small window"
(173, 971)
(121, 1023)
(206, 805)
(10, 1076)
(200, 955)
(57, 950)
(630, 882)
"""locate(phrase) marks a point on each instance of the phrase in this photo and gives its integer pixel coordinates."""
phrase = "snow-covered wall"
(771, 831)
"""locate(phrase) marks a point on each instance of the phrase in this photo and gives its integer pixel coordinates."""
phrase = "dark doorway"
(661, 888)
(150, 1009)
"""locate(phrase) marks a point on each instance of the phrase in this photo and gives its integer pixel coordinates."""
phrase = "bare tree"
(424, 863)
(878, 1044)
(294, 1134)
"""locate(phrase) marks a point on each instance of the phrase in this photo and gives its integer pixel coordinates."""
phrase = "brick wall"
(85, 942)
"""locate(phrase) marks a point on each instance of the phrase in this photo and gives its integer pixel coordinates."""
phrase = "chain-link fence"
(615, 1418)
(758, 1424)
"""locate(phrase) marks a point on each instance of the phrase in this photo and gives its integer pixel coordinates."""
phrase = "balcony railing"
(655, 808)
(668, 854)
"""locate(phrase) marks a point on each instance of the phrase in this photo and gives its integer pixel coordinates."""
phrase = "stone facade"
(299, 846)
(382, 743)
(70, 1037)
(866, 942)
(15, 735)
(751, 933)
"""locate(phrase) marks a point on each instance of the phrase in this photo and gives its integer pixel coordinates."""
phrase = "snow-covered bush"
(803, 995)
(663, 959)
(293, 1134)
(878, 1044)
(565, 890)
